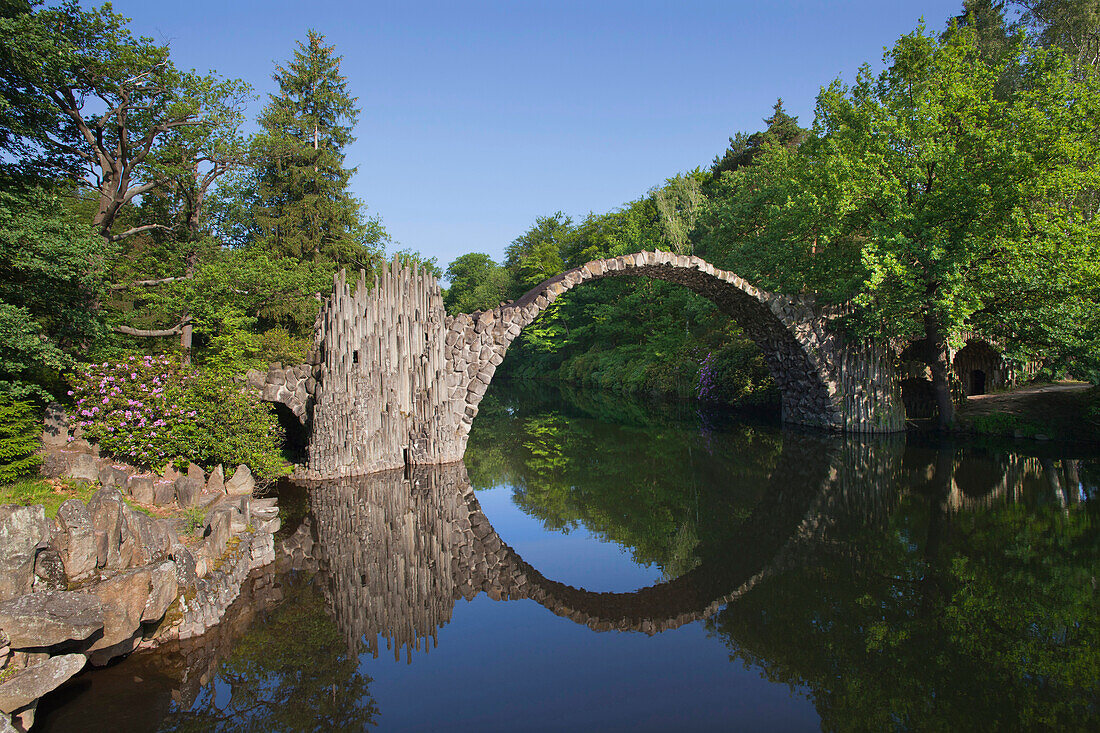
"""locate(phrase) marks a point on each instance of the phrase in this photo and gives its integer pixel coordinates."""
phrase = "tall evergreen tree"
(305, 208)
(782, 129)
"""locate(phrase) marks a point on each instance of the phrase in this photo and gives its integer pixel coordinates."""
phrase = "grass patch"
(1003, 423)
(50, 493)
(194, 519)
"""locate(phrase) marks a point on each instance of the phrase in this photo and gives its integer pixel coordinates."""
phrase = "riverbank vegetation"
(140, 221)
(954, 191)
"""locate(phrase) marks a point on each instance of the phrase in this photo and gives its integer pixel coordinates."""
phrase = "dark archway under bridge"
(394, 380)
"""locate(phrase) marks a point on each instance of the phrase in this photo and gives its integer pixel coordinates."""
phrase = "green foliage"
(1072, 25)
(539, 441)
(290, 671)
(305, 210)
(194, 519)
(925, 620)
(536, 255)
(935, 198)
(20, 436)
(279, 345)
(229, 426)
(782, 131)
(52, 271)
(31, 492)
(736, 375)
(153, 411)
(477, 284)
(1003, 423)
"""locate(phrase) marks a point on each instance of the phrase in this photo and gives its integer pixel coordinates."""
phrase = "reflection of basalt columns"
(392, 548)
(400, 548)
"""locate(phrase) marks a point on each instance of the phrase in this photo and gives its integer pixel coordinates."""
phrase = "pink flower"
(106, 401)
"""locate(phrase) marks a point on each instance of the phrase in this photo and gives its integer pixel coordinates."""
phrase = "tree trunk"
(185, 342)
(940, 366)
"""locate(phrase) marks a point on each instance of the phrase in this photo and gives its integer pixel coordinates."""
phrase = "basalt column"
(382, 396)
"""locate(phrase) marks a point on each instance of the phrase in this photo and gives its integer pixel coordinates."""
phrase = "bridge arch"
(394, 380)
(811, 364)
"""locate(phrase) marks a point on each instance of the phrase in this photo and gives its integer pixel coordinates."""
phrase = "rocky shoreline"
(105, 578)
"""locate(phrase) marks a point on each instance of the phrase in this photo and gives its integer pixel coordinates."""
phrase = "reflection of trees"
(940, 614)
(644, 476)
(291, 671)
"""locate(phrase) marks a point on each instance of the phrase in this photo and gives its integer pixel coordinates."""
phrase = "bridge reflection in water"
(873, 577)
(398, 549)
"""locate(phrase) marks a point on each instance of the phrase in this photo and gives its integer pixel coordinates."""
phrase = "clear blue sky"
(478, 117)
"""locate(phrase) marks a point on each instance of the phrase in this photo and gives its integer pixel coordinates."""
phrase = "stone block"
(255, 378)
(22, 530)
(152, 537)
(241, 483)
(187, 490)
(126, 598)
(164, 492)
(55, 427)
(106, 509)
(217, 532)
(114, 475)
(196, 473)
(83, 468)
(50, 617)
(163, 589)
(184, 562)
(216, 483)
(76, 540)
(140, 487)
(27, 686)
(49, 571)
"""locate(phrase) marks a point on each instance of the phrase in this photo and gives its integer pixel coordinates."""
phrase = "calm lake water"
(604, 563)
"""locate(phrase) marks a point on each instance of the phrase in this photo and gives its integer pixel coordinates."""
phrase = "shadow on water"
(903, 584)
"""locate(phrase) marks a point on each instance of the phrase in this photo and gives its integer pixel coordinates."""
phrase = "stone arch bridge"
(393, 380)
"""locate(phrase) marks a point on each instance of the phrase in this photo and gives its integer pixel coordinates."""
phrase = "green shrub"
(277, 344)
(736, 374)
(20, 435)
(229, 426)
(152, 411)
(1003, 423)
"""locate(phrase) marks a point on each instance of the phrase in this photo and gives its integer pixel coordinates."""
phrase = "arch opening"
(295, 434)
(788, 331)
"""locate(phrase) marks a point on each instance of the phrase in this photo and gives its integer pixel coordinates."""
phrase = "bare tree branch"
(135, 230)
(175, 330)
(148, 283)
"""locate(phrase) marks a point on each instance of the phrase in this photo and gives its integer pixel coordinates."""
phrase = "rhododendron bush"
(152, 411)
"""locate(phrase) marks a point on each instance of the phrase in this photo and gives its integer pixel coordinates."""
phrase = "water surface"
(599, 562)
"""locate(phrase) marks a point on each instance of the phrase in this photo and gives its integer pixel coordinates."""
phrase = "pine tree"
(782, 129)
(305, 209)
(20, 434)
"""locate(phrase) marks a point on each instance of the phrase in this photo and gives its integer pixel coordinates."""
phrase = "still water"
(603, 563)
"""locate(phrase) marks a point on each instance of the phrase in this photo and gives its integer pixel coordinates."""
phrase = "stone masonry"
(395, 381)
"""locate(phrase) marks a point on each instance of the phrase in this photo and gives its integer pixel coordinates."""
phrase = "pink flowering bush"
(152, 410)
